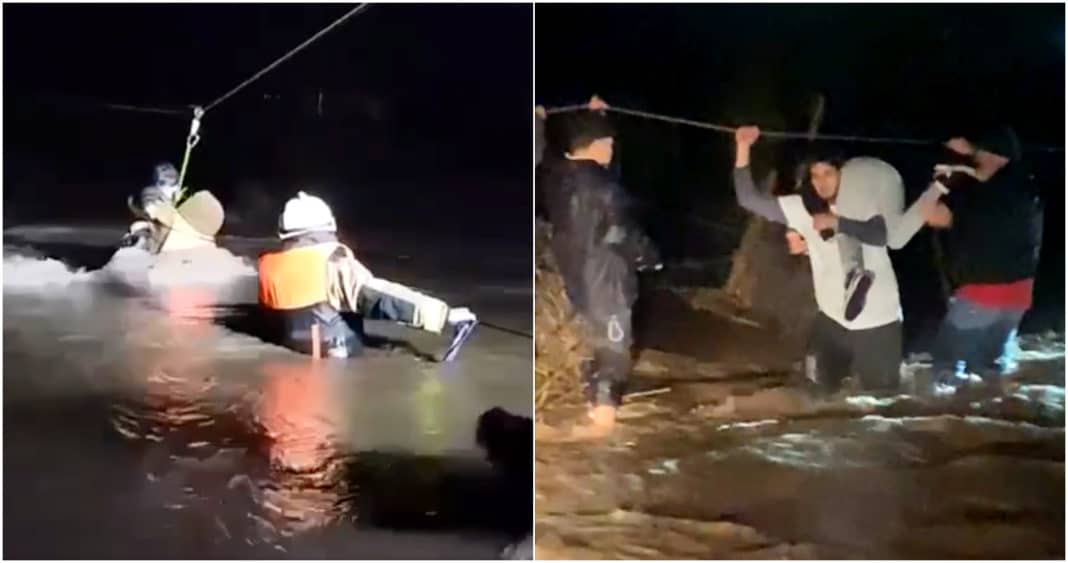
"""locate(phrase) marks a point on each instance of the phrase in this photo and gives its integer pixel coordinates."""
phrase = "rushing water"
(160, 424)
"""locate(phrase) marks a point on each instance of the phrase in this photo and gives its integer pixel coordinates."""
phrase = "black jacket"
(996, 234)
(597, 245)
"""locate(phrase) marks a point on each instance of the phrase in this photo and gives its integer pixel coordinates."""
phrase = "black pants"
(607, 372)
(605, 311)
(873, 355)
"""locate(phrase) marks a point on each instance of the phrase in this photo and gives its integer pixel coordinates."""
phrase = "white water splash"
(23, 271)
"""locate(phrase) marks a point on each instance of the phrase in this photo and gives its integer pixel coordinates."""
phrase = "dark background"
(928, 72)
(425, 117)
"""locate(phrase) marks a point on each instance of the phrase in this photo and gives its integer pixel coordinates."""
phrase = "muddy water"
(732, 460)
(147, 426)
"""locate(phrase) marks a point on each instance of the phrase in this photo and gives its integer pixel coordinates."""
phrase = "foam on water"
(26, 270)
(198, 266)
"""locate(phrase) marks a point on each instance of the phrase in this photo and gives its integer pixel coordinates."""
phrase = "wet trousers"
(606, 319)
(975, 338)
(873, 355)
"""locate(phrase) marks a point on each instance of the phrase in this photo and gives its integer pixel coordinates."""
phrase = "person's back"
(996, 231)
(293, 281)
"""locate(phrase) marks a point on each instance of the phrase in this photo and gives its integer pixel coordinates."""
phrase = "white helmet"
(305, 214)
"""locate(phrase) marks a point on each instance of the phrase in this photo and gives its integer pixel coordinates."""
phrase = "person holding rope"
(599, 249)
(861, 199)
(993, 236)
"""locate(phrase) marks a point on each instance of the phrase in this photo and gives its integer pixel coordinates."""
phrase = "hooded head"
(994, 150)
(1001, 141)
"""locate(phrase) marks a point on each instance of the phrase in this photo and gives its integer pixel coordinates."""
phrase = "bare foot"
(602, 422)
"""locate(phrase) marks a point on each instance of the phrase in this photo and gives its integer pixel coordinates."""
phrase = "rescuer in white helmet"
(314, 278)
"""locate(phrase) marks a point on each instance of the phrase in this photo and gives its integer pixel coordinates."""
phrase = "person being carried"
(853, 200)
(314, 278)
(599, 249)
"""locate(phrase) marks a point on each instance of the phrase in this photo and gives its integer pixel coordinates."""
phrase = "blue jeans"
(977, 339)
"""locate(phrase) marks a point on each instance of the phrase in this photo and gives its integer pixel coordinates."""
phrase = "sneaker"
(943, 390)
(462, 323)
(857, 285)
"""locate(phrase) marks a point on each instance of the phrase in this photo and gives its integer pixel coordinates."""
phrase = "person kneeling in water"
(313, 278)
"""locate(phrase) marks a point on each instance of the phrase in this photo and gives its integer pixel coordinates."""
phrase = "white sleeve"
(797, 217)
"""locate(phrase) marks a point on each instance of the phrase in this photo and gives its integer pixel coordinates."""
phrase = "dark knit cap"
(582, 128)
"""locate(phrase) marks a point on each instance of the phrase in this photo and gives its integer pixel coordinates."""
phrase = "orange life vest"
(294, 278)
(295, 283)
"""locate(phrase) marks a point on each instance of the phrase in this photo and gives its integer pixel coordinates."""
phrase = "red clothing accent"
(1015, 295)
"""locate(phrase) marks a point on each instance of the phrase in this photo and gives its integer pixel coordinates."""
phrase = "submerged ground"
(162, 426)
(726, 458)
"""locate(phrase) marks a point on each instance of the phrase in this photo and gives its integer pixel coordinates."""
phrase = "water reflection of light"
(428, 412)
(297, 417)
(173, 381)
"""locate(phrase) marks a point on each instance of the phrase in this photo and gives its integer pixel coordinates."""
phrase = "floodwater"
(161, 425)
(725, 456)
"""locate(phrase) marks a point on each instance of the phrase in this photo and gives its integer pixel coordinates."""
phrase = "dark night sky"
(921, 71)
(891, 68)
(434, 96)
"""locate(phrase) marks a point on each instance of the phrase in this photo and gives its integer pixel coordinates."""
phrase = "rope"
(763, 133)
(198, 112)
(283, 58)
(506, 330)
(139, 109)
(53, 99)
(190, 141)
(251, 79)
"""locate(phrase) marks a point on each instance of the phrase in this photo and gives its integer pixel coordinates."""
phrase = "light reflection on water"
(247, 443)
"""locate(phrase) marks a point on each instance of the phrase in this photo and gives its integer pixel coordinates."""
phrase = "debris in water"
(127, 433)
(175, 506)
(651, 393)
(752, 424)
(201, 444)
(272, 507)
(222, 526)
